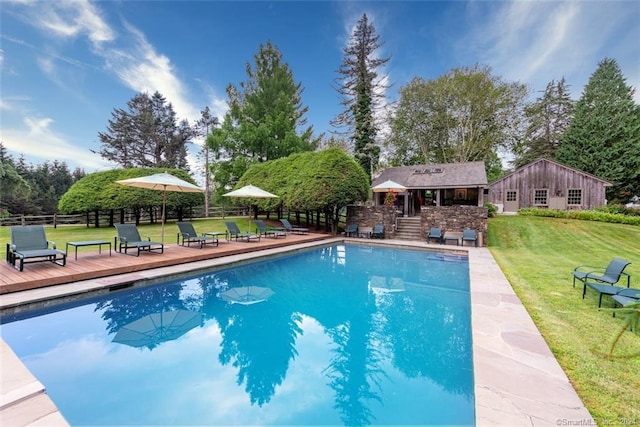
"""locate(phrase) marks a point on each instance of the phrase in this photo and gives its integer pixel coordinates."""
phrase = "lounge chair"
(470, 236)
(263, 230)
(291, 229)
(235, 233)
(611, 274)
(378, 232)
(610, 290)
(188, 235)
(129, 237)
(435, 233)
(626, 296)
(351, 230)
(29, 244)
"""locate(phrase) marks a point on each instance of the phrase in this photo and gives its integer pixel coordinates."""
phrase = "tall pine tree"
(547, 120)
(147, 135)
(604, 136)
(361, 91)
(265, 119)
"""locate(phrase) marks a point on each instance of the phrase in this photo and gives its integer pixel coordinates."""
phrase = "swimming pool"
(350, 335)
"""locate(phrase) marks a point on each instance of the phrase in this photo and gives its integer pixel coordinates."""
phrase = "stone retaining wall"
(455, 218)
(369, 216)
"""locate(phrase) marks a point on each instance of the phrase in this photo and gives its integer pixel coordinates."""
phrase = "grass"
(537, 256)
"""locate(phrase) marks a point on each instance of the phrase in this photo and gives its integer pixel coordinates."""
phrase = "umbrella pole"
(164, 204)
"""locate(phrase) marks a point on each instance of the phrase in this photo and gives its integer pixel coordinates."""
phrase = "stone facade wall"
(456, 218)
(369, 216)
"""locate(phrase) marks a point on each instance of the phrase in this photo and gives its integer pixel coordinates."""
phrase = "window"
(512, 196)
(541, 197)
(574, 196)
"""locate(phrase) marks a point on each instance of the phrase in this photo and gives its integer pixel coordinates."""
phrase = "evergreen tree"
(146, 135)
(604, 136)
(362, 92)
(13, 187)
(264, 117)
(203, 128)
(548, 118)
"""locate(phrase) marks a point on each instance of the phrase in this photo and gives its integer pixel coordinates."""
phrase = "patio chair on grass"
(129, 238)
(263, 230)
(291, 229)
(378, 232)
(351, 230)
(188, 235)
(435, 233)
(627, 296)
(29, 244)
(611, 275)
(470, 236)
(613, 291)
(235, 233)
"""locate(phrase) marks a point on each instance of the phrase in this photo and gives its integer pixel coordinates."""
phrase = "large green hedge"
(324, 181)
(100, 191)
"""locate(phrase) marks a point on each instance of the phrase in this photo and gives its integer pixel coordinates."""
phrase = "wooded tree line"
(467, 114)
(33, 189)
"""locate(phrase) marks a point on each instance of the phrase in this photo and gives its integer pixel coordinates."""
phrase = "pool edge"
(517, 380)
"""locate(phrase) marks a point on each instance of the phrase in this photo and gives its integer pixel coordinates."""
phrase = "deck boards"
(91, 264)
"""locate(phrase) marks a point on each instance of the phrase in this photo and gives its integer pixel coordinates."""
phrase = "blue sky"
(65, 66)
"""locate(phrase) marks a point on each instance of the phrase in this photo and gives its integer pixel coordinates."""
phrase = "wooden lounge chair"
(378, 232)
(470, 236)
(29, 244)
(435, 233)
(188, 235)
(129, 237)
(291, 229)
(264, 231)
(235, 233)
(611, 275)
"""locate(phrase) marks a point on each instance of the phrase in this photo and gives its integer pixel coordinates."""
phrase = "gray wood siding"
(556, 178)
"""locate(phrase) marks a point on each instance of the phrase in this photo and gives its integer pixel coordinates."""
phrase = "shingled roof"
(436, 176)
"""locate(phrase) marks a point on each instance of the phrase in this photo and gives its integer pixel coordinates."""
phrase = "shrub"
(592, 215)
(492, 209)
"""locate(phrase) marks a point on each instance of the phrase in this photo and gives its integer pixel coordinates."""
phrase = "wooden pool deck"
(92, 264)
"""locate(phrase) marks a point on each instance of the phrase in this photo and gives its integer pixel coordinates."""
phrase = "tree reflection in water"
(368, 329)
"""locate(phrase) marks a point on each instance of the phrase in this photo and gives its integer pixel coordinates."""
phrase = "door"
(511, 201)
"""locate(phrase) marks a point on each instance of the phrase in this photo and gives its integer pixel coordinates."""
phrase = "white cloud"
(142, 69)
(37, 140)
(71, 19)
(536, 42)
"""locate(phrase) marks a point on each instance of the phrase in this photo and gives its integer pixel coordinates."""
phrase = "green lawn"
(537, 255)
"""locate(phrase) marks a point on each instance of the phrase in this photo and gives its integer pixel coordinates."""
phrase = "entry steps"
(408, 228)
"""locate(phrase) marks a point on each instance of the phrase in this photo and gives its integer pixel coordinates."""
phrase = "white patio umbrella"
(156, 328)
(164, 182)
(247, 295)
(250, 192)
(387, 186)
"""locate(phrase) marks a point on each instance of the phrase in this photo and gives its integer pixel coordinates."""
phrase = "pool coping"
(517, 380)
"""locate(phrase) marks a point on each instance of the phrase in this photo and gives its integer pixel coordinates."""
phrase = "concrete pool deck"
(518, 381)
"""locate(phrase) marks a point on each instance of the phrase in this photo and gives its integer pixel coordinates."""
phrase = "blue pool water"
(344, 335)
